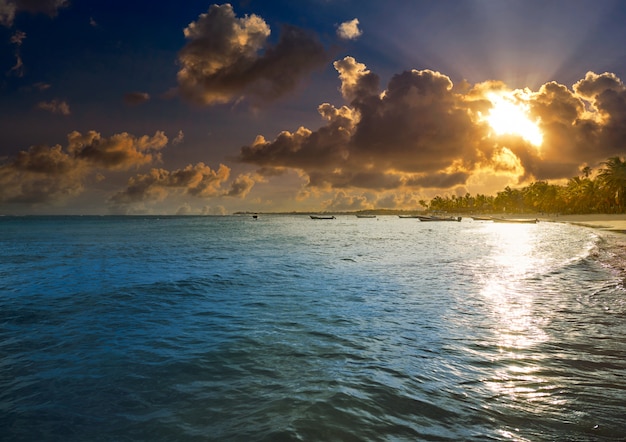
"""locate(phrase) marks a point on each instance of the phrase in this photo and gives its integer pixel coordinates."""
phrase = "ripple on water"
(228, 329)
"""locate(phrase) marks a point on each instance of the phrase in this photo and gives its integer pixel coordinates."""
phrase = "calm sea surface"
(286, 328)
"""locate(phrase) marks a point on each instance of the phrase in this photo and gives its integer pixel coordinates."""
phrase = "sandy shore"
(613, 223)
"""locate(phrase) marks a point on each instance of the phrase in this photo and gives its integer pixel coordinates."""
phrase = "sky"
(169, 107)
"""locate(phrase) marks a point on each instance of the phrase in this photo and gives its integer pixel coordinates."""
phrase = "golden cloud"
(422, 132)
(45, 174)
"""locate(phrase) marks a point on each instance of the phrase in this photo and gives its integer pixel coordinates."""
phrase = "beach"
(612, 223)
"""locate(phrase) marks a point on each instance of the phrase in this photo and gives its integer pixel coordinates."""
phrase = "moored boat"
(516, 220)
(440, 218)
(322, 216)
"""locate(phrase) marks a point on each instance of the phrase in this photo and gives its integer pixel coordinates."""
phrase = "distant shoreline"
(607, 222)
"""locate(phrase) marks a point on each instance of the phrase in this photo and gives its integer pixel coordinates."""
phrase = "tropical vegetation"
(603, 193)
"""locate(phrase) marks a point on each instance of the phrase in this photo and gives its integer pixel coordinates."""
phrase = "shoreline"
(610, 223)
(612, 252)
(606, 222)
(612, 227)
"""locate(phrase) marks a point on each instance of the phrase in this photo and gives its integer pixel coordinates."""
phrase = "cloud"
(41, 174)
(343, 201)
(49, 7)
(241, 186)
(9, 8)
(379, 140)
(135, 98)
(349, 30)
(54, 107)
(180, 137)
(422, 132)
(197, 180)
(120, 152)
(218, 210)
(41, 86)
(226, 58)
(185, 209)
(44, 174)
(17, 39)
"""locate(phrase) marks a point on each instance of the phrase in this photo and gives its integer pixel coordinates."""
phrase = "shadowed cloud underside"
(301, 107)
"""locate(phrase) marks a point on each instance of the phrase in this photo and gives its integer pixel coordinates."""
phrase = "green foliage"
(604, 194)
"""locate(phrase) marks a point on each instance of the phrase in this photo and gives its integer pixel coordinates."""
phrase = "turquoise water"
(287, 328)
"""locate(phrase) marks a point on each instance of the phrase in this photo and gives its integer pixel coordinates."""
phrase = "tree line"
(605, 192)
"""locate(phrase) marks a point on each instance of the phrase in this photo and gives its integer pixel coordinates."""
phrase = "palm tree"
(580, 195)
(586, 171)
(612, 177)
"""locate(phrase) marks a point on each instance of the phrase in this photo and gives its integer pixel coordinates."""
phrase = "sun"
(510, 115)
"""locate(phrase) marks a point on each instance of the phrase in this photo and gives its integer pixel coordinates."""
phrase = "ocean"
(284, 328)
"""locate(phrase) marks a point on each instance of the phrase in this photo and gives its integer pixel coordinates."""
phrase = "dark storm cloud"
(46, 174)
(422, 132)
(227, 58)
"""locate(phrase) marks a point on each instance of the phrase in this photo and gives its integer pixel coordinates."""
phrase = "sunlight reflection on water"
(283, 328)
(518, 328)
(514, 258)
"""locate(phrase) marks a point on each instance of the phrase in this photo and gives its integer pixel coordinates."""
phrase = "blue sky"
(157, 107)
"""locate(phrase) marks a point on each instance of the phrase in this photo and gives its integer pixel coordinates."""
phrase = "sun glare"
(510, 116)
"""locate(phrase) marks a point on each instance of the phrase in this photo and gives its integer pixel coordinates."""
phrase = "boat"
(409, 216)
(482, 218)
(515, 220)
(440, 218)
(322, 216)
(366, 216)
